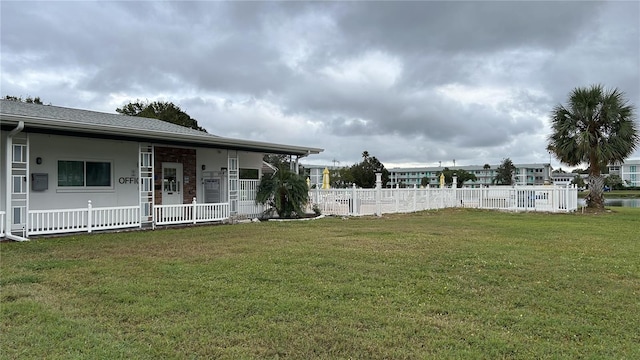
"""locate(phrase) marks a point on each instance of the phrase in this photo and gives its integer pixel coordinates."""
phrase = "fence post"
(415, 195)
(193, 210)
(353, 200)
(317, 200)
(378, 190)
(89, 215)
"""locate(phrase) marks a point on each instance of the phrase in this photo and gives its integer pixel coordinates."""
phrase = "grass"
(440, 284)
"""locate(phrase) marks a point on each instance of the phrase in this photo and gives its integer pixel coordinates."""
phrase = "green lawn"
(454, 283)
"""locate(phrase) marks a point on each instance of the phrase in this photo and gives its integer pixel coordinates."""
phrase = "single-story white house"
(66, 170)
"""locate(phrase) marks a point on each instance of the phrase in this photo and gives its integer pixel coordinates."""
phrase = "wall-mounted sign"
(128, 180)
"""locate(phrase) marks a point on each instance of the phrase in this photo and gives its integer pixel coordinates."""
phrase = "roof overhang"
(74, 128)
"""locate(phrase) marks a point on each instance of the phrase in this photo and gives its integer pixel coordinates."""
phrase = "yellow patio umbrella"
(325, 179)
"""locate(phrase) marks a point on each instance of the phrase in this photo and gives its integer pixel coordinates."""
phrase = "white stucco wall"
(216, 159)
(122, 154)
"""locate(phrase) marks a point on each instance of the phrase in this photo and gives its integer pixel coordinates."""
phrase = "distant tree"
(277, 160)
(558, 171)
(596, 127)
(284, 191)
(578, 181)
(363, 174)
(448, 176)
(160, 110)
(424, 182)
(339, 178)
(464, 176)
(486, 168)
(614, 182)
(504, 173)
(28, 99)
(461, 175)
(580, 171)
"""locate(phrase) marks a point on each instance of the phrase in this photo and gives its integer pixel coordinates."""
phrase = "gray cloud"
(411, 82)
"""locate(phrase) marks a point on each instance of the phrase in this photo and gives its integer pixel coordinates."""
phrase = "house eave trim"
(109, 131)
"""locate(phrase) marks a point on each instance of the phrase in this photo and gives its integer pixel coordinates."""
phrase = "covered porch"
(68, 170)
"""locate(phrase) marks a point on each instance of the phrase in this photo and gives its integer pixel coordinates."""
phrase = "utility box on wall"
(39, 182)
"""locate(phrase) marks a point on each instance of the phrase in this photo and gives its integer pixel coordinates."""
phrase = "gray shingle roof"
(47, 118)
(93, 117)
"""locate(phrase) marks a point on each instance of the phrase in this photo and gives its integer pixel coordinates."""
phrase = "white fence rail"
(248, 189)
(247, 201)
(190, 213)
(382, 201)
(250, 209)
(344, 202)
(87, 219)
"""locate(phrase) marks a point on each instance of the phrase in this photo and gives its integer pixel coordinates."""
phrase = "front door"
(172, 183)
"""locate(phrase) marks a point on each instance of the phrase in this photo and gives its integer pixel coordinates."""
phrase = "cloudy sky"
(414, 83)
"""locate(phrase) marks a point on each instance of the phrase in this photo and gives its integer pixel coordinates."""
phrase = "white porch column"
(232, 178)
(9, 183)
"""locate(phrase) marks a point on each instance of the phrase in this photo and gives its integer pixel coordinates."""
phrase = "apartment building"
(629, 172)
(525, 174)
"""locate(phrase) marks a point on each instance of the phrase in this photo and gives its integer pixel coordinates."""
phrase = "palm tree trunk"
(596, 192)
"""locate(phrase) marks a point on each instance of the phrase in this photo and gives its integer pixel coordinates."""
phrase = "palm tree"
(486, 168)
(596, 127)
(285, 191)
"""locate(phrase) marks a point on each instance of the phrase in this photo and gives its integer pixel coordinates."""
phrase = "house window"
(249, 174)
(19, 184)
(19, 214)
(146, 160)
(20, 154)
(73, 173)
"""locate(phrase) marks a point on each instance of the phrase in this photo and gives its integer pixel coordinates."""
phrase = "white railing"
(108, 218)
(382, 201)
(250, 208)
(1, 223)
(248, 189)
(190, 213)
(87, 219)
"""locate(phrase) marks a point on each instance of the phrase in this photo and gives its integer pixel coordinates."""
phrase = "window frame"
(84, 187)
(242, 172)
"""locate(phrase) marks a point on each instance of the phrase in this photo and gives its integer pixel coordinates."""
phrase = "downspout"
(8, 218)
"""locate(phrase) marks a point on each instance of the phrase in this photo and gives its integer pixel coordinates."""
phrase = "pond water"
(634, 203)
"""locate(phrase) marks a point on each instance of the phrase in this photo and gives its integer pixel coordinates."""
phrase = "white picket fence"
(247, 201)
(190, 213)
(87, 219)
(356, 202)
(345, 202)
